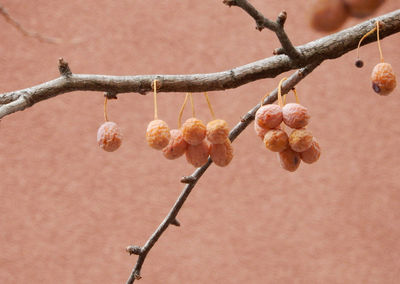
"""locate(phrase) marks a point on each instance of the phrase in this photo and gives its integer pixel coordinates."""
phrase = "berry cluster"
(329, 15)
(299, 145)
(194, 139)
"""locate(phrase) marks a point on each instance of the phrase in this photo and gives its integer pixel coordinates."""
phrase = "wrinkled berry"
(221, 154)
(269, 116)
(312, 154)
(327, 15)
(383, 79)
(300, 140)
(197, 155)
(276, 140)
(217, 131)
(176, 147)
(295, 115)
(289, 159)
(260, 131)
(194, 131)
(157, 134)
(109, 136)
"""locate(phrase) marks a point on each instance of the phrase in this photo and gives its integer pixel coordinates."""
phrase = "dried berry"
(276, 140)
(194, 131)
(217, 131)
(312, 154)
(300, 140)
(157, 134)
(176, 147)
(327, 15)
(289, 159)
(109, 136)
(295, 115)
(269, 116)
(221, 154)
(362, 8)
(260, 131)
(197, 155)
(383, 79)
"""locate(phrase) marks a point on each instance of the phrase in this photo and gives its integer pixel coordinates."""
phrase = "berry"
(383, 79)
(289, 159)
(194, 131)
(217, 131)
(362, 8)
(276, 140)
(312, 154)
(197, 155)
(300, 140)
(260, 131)
(176, 147)
(221, 154)
(295, 115)
(109, 136)
(269, 116)
(157, 134)
(327, 15)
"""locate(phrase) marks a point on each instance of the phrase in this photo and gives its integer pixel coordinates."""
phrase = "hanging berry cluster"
(382, 77)
(192, 138)
(291, 149)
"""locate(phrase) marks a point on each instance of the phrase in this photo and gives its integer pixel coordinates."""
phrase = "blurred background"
(68, 209)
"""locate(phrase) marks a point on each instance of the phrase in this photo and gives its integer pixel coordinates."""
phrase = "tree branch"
(194, 178)
(328, 47)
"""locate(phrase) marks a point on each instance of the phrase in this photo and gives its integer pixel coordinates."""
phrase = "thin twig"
(235, 132)
(42, 38)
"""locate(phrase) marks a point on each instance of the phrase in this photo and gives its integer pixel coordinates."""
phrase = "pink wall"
(68, 209)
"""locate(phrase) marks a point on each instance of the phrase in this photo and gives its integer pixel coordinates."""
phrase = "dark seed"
(359, 63)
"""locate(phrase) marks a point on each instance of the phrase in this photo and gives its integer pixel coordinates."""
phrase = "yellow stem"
(105, 109)
(209, 105)
(296, 96)
(192, 104)
(155, 100)
(181, 111)
(379, 43)
(364, 36)
(280, 102)
(263, 99)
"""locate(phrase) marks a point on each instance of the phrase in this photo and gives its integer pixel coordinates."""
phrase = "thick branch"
(193, 179)
(328, 47)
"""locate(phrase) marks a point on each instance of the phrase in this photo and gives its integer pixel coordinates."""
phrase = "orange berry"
(312, 154)
(109, 136)
(362, 8)
(194, 131)
(300, 140)
(327, 15)
(217, 131)
(269, 116)
(157, 134)
(289, 159)
(221, 154)
(260, 131)
(197, 155)
(276, 140)
(383, 79)
(176, 147)
(295, 115)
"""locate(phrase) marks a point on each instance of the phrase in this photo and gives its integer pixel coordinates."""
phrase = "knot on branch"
(134, 250)
(111, 95)
(188, 179)
(63, 67)
(229, 2)
(175, 222)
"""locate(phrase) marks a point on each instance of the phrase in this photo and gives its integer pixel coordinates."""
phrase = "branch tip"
(63, 67)
(188, 179)
(133, 250)
(229, 2)
(281, 18)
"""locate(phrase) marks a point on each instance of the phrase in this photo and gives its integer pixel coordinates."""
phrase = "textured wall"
(68, 209)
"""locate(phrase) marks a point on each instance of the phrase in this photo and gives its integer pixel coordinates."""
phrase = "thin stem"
(209, 105)
(364, 36)
(155, 100)
(379, 43)
(296, 96)
(181, 111)
(105, 109)
(280, 101)
(192, 105)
